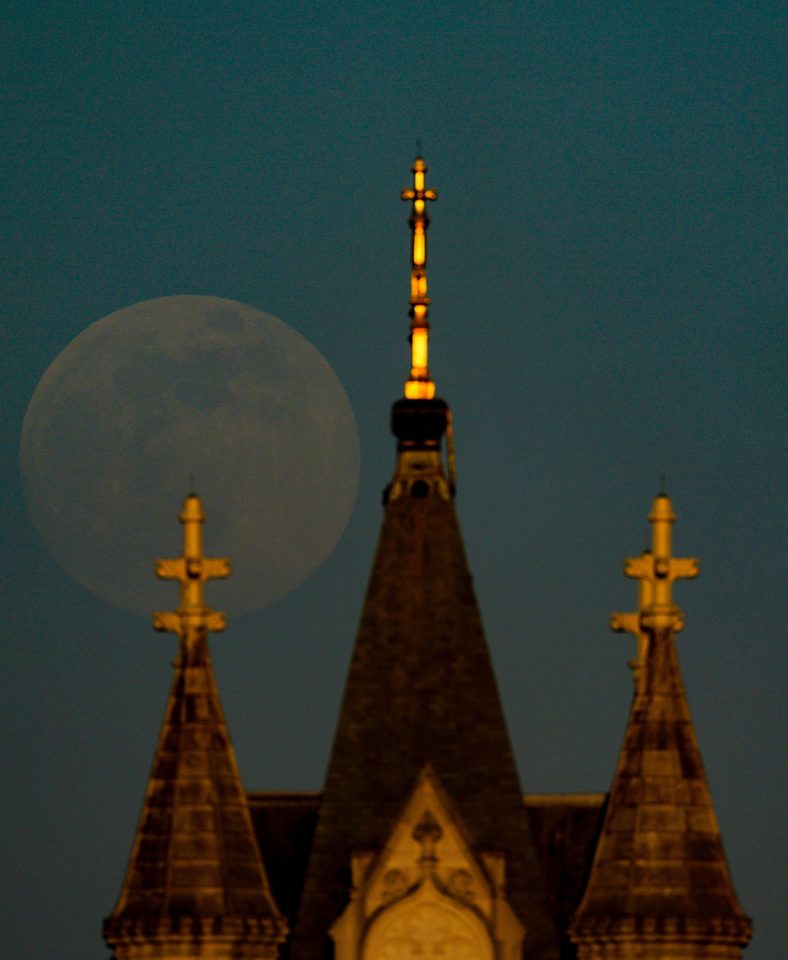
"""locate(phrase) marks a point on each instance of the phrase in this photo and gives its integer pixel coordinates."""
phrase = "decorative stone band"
(735, 931)
(218, 938)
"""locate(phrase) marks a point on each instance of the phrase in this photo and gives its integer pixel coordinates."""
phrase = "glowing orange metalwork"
(193, 570)
(419, 385)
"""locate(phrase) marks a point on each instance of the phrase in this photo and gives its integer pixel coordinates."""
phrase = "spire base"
(419, 423)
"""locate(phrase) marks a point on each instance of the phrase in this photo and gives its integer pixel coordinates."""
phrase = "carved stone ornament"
(395, 882)
(427, 930)
(461, 884)
(427, 893)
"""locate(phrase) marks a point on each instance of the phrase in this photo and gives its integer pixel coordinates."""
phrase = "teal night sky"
(606, 268)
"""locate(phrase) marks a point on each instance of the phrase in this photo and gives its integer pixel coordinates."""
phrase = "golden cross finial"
(192, 569)
(419, 385)
(657, 569)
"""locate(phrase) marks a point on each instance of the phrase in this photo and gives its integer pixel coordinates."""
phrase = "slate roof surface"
(565, 829)
(285, 827)
(195, 864)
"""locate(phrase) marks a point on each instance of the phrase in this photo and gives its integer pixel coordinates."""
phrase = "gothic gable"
(428, 892)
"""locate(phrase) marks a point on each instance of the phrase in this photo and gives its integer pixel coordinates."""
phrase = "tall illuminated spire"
(419, 385)
(420, 695)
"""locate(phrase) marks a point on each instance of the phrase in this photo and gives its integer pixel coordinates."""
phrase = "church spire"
(420, 692)
(195, 884)
(419, 385)
(660, 884)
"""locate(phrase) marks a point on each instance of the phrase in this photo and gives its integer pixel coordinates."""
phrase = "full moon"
(180, 391)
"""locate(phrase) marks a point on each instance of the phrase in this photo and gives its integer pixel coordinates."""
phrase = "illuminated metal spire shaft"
(419, 385)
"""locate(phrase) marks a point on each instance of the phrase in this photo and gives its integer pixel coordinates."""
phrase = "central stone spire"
(420, 695)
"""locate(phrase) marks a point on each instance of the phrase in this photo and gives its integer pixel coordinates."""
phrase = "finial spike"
(419, 385)
(662, 485)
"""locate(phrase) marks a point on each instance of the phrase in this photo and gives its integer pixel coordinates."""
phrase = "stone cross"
(192, 570)
(657, 569)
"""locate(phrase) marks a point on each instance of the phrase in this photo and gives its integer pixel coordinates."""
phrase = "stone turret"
(195, 886)
(659, 888)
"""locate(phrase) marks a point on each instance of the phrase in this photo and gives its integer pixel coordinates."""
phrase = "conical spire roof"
(660, 875)
(420, 690)
(195, 874)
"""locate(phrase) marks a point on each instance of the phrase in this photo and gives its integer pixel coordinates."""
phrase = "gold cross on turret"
(631, 623)
(657, 569)
(419, 385)
(193, 570)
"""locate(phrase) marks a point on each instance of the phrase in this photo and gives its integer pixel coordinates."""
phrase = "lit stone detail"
(427, 893)
(428, 929)
(655, 571)
(419, 474)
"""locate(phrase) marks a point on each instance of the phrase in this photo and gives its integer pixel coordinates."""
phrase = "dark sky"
(605, 266)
